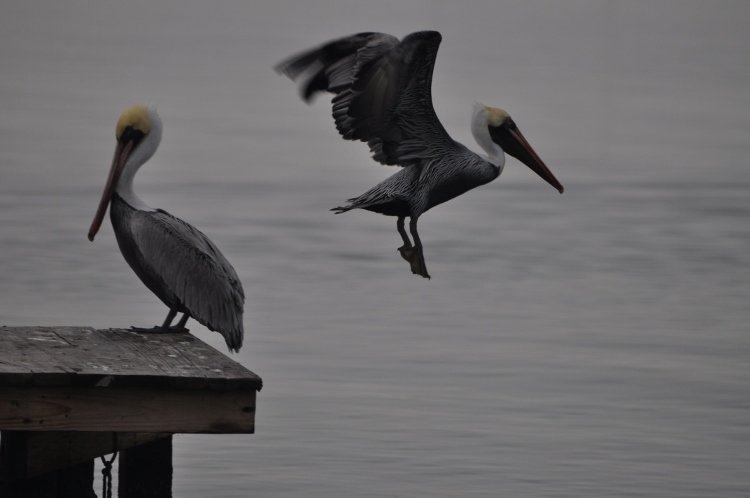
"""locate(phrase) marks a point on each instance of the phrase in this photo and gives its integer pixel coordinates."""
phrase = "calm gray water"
(585, 345)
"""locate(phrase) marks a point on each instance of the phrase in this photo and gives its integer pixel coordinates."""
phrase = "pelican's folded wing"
(194, 269)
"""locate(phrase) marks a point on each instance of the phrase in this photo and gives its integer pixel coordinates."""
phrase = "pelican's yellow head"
(496, 116)
(484, 116)
(137, 118)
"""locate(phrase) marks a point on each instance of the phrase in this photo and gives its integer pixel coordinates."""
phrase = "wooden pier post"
(146, 470)
(71, 394)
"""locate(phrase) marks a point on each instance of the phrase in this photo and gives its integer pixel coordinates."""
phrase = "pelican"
(172, 258)
(382, 96)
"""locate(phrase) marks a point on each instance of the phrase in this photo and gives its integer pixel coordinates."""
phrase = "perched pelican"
(172, 258)
(383, 97)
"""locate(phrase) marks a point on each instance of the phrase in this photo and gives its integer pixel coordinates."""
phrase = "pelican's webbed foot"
(160, 330)
(415, 257)
(166, 328)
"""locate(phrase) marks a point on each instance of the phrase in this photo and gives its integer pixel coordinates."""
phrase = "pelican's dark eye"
(130, 134)
(510, 124)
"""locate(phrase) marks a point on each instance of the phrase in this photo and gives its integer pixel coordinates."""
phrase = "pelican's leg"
(168, 320)
(414, 255)
(406, 250)
(402, 232)
(180, 327)
(164, 326)
(419, 267)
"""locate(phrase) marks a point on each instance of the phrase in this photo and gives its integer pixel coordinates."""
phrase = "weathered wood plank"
(69, 394)
(127, 409)
(83, 356)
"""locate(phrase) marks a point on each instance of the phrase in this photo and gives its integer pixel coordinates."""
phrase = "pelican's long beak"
(122, 151)
(512, 141)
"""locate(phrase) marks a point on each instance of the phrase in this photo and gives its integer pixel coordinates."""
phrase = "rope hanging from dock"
(107, 476)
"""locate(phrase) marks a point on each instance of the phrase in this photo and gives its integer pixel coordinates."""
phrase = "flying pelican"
(172, 258)
(383, 97)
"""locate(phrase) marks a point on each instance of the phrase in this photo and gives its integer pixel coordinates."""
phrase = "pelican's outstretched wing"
(382, 92)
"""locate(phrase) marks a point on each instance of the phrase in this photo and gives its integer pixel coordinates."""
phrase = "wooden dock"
(71, 394)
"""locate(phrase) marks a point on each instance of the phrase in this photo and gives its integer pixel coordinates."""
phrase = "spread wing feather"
(382, 92)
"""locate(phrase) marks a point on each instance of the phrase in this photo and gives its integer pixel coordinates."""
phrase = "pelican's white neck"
(141, 153)
(479, 123)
